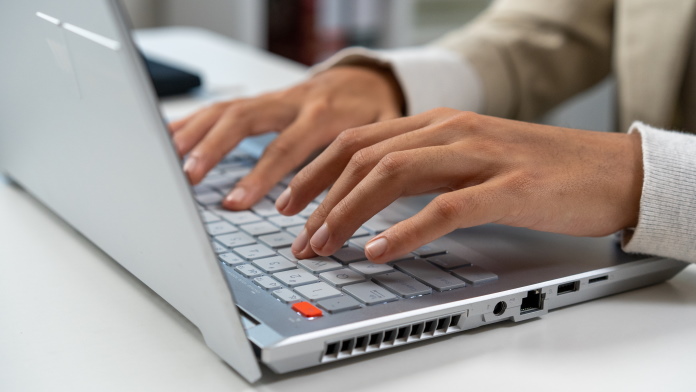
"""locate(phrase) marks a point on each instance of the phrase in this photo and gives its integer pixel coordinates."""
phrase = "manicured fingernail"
(300, 242)
(190, 165)
(236, 196)
(320, 237)
(283, 200)
(376, 248)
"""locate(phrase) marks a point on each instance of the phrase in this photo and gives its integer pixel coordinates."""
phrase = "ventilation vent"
(380, 340)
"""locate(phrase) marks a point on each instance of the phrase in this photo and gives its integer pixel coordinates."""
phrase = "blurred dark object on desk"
(169, 80)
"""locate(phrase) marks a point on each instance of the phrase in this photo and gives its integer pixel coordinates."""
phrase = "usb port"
(598, 279)
(569, 287)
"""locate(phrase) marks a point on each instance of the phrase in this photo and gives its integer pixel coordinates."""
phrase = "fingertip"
(283, 200)
(193, 169)
(238, 199)
(377, 249)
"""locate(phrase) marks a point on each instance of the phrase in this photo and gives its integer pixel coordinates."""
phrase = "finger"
(292, 147)
(176, 125)
(466, 207)
(328, 166)
(237, 122)
(401, 173)
(193, 128)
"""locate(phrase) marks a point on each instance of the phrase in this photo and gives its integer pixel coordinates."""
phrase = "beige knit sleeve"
(533, 54)
(667, 219)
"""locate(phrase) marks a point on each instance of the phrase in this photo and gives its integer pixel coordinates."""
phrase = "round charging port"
(499, 308)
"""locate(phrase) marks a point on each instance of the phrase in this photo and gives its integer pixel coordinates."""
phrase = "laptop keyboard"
(256, 244)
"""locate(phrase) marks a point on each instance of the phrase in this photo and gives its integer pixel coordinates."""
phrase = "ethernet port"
(533, 302)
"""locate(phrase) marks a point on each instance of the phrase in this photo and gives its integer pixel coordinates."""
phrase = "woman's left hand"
(489, 170)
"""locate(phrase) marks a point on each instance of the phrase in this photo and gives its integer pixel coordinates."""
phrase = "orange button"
(306, 309)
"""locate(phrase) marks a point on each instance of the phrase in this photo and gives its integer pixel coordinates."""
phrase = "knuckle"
(360, 161)
(319, 107)
(447, 207)
(392, 164)
(348, 140)
(466, 120)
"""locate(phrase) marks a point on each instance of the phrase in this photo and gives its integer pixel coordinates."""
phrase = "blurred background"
(308, 31)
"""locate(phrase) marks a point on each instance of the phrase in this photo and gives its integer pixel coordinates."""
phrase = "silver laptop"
(80, 130)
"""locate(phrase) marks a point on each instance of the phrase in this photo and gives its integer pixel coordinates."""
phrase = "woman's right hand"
(308, 117)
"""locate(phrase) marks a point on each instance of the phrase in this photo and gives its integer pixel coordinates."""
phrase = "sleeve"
(429, 77)
(533, 54)
(518, 59)
(667, 219)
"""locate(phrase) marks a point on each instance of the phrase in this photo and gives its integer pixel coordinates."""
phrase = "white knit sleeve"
(429, 77)
(667, 220)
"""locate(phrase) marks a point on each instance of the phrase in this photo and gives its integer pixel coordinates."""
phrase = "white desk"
(72, 319)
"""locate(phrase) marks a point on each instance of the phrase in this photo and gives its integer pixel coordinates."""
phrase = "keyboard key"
(370, 268)
(475, 275)
(339, 304)
(259, 228)
(319, 264)
(369, 293)
(317, 291)
(306, 309)
(209, 198)
(309, 210)
(277, 240)
(342, 277)
(430, 274)
(220, 227)
(287, 296)
(287, 253)
(265, 207)
(248, 270)
(295, 277)
(360, 233)
(386, 218)
(231, 258)
(449, 261)
(217, 247)
(255, 251)
(295, 230)
(429, 250)
(237, 217)
(349, 254)
(267, 283)
(208, 217)
(274, 264)
(402, 284)
(286, 221)
(234, 240)
(360, 242)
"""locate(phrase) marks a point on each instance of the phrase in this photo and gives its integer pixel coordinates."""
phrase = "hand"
(308, 116)
(490, 169)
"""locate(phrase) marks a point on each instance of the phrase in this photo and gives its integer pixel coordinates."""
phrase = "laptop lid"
(80, 130)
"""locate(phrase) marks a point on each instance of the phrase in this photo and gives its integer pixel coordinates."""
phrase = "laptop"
(80, 130)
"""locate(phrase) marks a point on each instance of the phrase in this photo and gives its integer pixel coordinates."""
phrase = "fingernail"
(190, 165)
(376, 248)
(320, 237)
(300, 242)
(283, 200)
(236, 196)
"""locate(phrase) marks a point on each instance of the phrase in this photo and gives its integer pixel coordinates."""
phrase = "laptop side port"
(598, 279)
(569, 287)
(533, 302)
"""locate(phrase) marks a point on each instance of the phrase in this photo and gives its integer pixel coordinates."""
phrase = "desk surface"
(72, 319)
